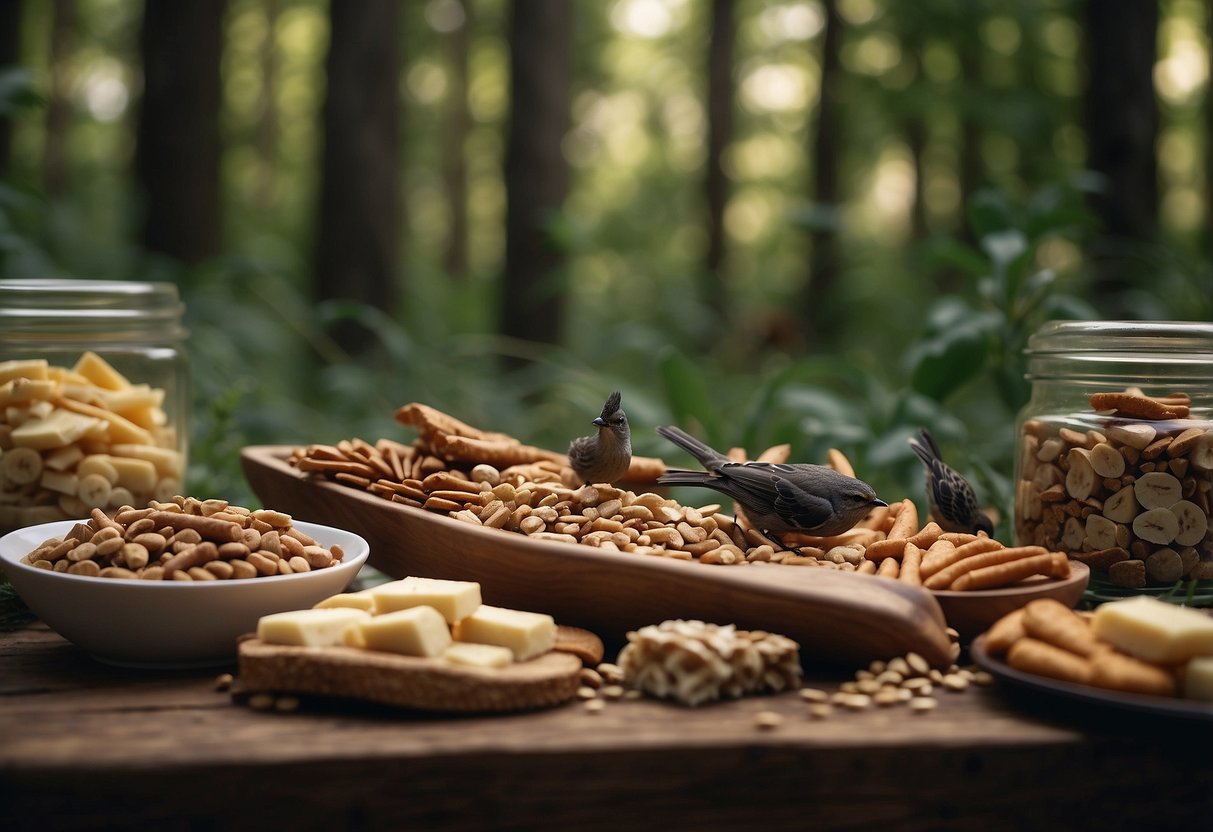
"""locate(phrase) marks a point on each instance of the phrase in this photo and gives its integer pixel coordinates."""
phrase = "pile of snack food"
(494, 480)
(184, 539)
(81, 437)
(1125, 490)
(1134, 645)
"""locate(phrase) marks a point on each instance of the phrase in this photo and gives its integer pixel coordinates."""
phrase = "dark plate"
(1153, 705)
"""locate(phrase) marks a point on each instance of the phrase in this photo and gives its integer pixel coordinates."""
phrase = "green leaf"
(951, 356)
(687, 392)
(989, 211)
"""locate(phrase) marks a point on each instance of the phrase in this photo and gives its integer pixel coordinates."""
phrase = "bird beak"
(879, 502)
(599, 421)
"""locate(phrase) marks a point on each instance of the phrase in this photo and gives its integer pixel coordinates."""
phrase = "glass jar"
(94, 397)
(1126, 487)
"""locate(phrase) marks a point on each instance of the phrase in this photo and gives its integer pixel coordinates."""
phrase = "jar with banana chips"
(93, 397)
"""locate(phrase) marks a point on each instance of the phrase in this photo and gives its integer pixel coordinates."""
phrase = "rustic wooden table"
(86, 746)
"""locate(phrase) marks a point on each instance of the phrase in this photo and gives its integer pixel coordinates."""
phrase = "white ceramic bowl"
(167, 623)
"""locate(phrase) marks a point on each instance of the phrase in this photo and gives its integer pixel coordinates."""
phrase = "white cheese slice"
(309, 628)
(478, 655)
(416, 631)
(454, 599)
(527, 634)
(1154, 630)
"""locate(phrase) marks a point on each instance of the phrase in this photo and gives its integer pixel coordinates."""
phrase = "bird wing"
(954, 495)
(770, 483)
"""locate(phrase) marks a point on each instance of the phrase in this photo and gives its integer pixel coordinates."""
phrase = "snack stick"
(910, 562)
(947, 576)
(927, 535)
(837, 460)
(1117, 671)
(333, 466)
(935, 562)
(885, 549)
(960, 538)
(1051, 621)
(1142, 407)
(905, 524)
(1004, 574)
(1005, 631)
(495, 452)
(430, 421)
(645, 469)
(866, 567)
(889, 568)
(875, 519)
(1044, 659)
(776, 454)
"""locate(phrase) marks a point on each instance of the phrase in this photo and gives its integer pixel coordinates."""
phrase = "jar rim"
(1193, 338)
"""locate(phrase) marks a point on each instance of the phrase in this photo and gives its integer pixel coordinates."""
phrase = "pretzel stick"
(946, 577)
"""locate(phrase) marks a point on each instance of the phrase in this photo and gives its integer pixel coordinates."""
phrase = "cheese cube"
(527, 634)
(454, 599)
(309, 628)
(1154, 630)
(353, 600)
(1198, 679)
(478, 655)
(417, 631)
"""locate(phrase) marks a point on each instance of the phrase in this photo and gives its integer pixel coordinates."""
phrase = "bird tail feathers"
(681, 476)
(927, 450)
(709, 457)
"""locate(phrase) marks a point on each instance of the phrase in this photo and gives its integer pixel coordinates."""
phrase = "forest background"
(823, 222)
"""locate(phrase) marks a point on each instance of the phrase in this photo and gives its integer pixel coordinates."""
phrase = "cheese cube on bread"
(309, 628)
(527, 634)
(417, 631)
(454, 599)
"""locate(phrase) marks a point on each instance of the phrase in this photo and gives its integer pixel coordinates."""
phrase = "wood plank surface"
(86, 746)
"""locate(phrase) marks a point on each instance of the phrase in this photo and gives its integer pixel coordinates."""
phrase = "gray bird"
(777, 497)
(604, 456)
(953, 503)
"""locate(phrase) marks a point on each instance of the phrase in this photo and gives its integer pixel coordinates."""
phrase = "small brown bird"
(951, 497)
(777, 497)
(604, 456)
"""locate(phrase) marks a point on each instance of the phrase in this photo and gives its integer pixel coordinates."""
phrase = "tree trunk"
(1209, 142)
(58, 105)
(536, 174)
(1122, 129)
(266, 139)
(720, 133)
(360, 204)
(821, 303)
(454, 149)
(972, 165)
(10, 55)
(177, 143)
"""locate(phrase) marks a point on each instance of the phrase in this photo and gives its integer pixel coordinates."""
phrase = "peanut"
(167, 541)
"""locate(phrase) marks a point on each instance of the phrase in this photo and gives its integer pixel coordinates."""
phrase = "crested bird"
(604, 456)
(777, 497)
(951, 497)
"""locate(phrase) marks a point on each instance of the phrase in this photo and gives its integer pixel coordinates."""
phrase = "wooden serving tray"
(409, 681)
(835, 616)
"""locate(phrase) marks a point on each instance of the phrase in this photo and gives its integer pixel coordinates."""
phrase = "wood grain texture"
(835, 616)
(86, 746)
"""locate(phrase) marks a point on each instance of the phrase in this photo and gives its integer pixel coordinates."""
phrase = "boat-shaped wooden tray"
(835, 616)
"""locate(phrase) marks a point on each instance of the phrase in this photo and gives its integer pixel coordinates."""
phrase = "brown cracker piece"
(1139, 407)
